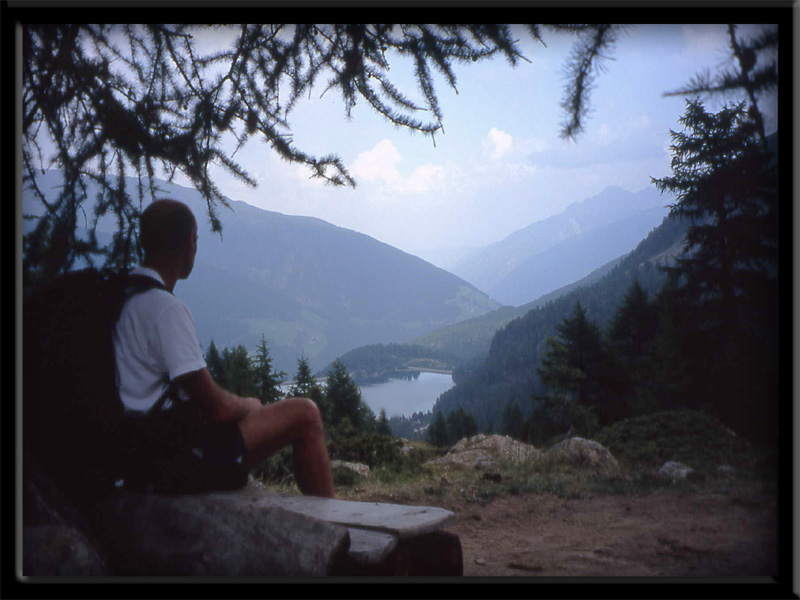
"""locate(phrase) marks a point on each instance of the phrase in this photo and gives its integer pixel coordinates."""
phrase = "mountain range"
(309, 287)
(563, 248)
(317, 290)
(505, 372)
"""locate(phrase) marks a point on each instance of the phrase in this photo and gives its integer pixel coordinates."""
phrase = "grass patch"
(640, 445)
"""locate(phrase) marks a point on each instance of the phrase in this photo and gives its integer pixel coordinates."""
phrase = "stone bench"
(245, 532)
(385, 539)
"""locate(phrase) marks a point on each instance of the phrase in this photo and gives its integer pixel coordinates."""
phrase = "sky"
(500, 163)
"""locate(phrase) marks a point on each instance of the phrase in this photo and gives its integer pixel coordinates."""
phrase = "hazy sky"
(500, 163)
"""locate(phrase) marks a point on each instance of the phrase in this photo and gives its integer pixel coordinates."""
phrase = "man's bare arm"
(217, 403)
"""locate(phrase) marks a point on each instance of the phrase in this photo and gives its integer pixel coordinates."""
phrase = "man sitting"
(156, 344)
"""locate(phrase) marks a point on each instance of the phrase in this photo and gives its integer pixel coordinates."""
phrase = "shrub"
(685, 436)
(343, 476)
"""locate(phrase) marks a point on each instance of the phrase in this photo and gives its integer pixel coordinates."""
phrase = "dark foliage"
(151, 100)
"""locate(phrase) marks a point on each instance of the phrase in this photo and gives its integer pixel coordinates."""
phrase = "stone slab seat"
(251, 532)
(397, 519)
(385, 539)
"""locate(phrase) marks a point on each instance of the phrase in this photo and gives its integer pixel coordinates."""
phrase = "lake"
(405, 396)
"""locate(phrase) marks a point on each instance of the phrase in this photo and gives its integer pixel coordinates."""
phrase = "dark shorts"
(170, 459)
(220, 444)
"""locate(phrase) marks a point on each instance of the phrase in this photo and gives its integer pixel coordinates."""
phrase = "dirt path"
(664, 534)
(656, 535)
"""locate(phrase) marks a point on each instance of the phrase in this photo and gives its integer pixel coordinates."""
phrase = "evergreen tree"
(216, 365)
(460, 425)
(306, 386)
(344, 397)
(383, 427)
(266, 380)
(437, 431)
(631, 336)
(574, 371)
(239, 375)
(667, 379)
(727, 186)
(753, 72)
(513, 421)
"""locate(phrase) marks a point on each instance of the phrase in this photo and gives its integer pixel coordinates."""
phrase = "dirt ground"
(657, 535)
(675, 535)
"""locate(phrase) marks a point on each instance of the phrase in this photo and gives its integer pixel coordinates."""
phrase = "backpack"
(72, 412)
(75, 424)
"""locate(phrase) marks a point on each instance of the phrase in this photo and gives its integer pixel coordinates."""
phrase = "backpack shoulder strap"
(137, 283)
(123, 286)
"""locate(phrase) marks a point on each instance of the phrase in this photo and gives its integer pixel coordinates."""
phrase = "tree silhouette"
(343, 396)
(152, 100)
(574, 369)
(726, 183)
(266, 379)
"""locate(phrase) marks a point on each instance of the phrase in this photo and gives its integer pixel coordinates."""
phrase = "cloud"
(422, 179)
(378, 164)
(497, 143)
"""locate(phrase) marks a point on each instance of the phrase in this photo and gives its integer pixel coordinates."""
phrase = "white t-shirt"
(155, 341)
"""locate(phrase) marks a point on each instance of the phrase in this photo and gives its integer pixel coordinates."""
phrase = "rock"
(59, 550)
(484, 451)
(579, 452)
(407, 446)
(674, 470)
(148, 534)
(254, 483)
(54, 538)
(214, 535)
(359, 468)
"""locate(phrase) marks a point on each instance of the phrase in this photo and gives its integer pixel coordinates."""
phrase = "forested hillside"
(508, 374)
(700, 333)
(470, 339)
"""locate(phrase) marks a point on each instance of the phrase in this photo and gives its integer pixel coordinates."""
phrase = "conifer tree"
(726, 184)
(239, 378)
(574, 371)
(343, 396)
(631, 336)
(151, 101)
(437, 431)
(215, 364)
(513, 421)
(383, 427)
(460, 425)
(266, 380)
(305, 384)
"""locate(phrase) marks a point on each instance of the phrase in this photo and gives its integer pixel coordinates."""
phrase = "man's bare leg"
(294, 421)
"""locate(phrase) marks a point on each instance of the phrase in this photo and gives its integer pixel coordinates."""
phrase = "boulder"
(359, 468)
(484, 451)
(214, 535)
(579, 452)
(54, 533)
(130, 533)
(59, 550)
(674, 470)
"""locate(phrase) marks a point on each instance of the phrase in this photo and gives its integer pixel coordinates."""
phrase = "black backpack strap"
(137, 283)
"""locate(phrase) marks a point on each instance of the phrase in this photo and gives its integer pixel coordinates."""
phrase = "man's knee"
(308, 411)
